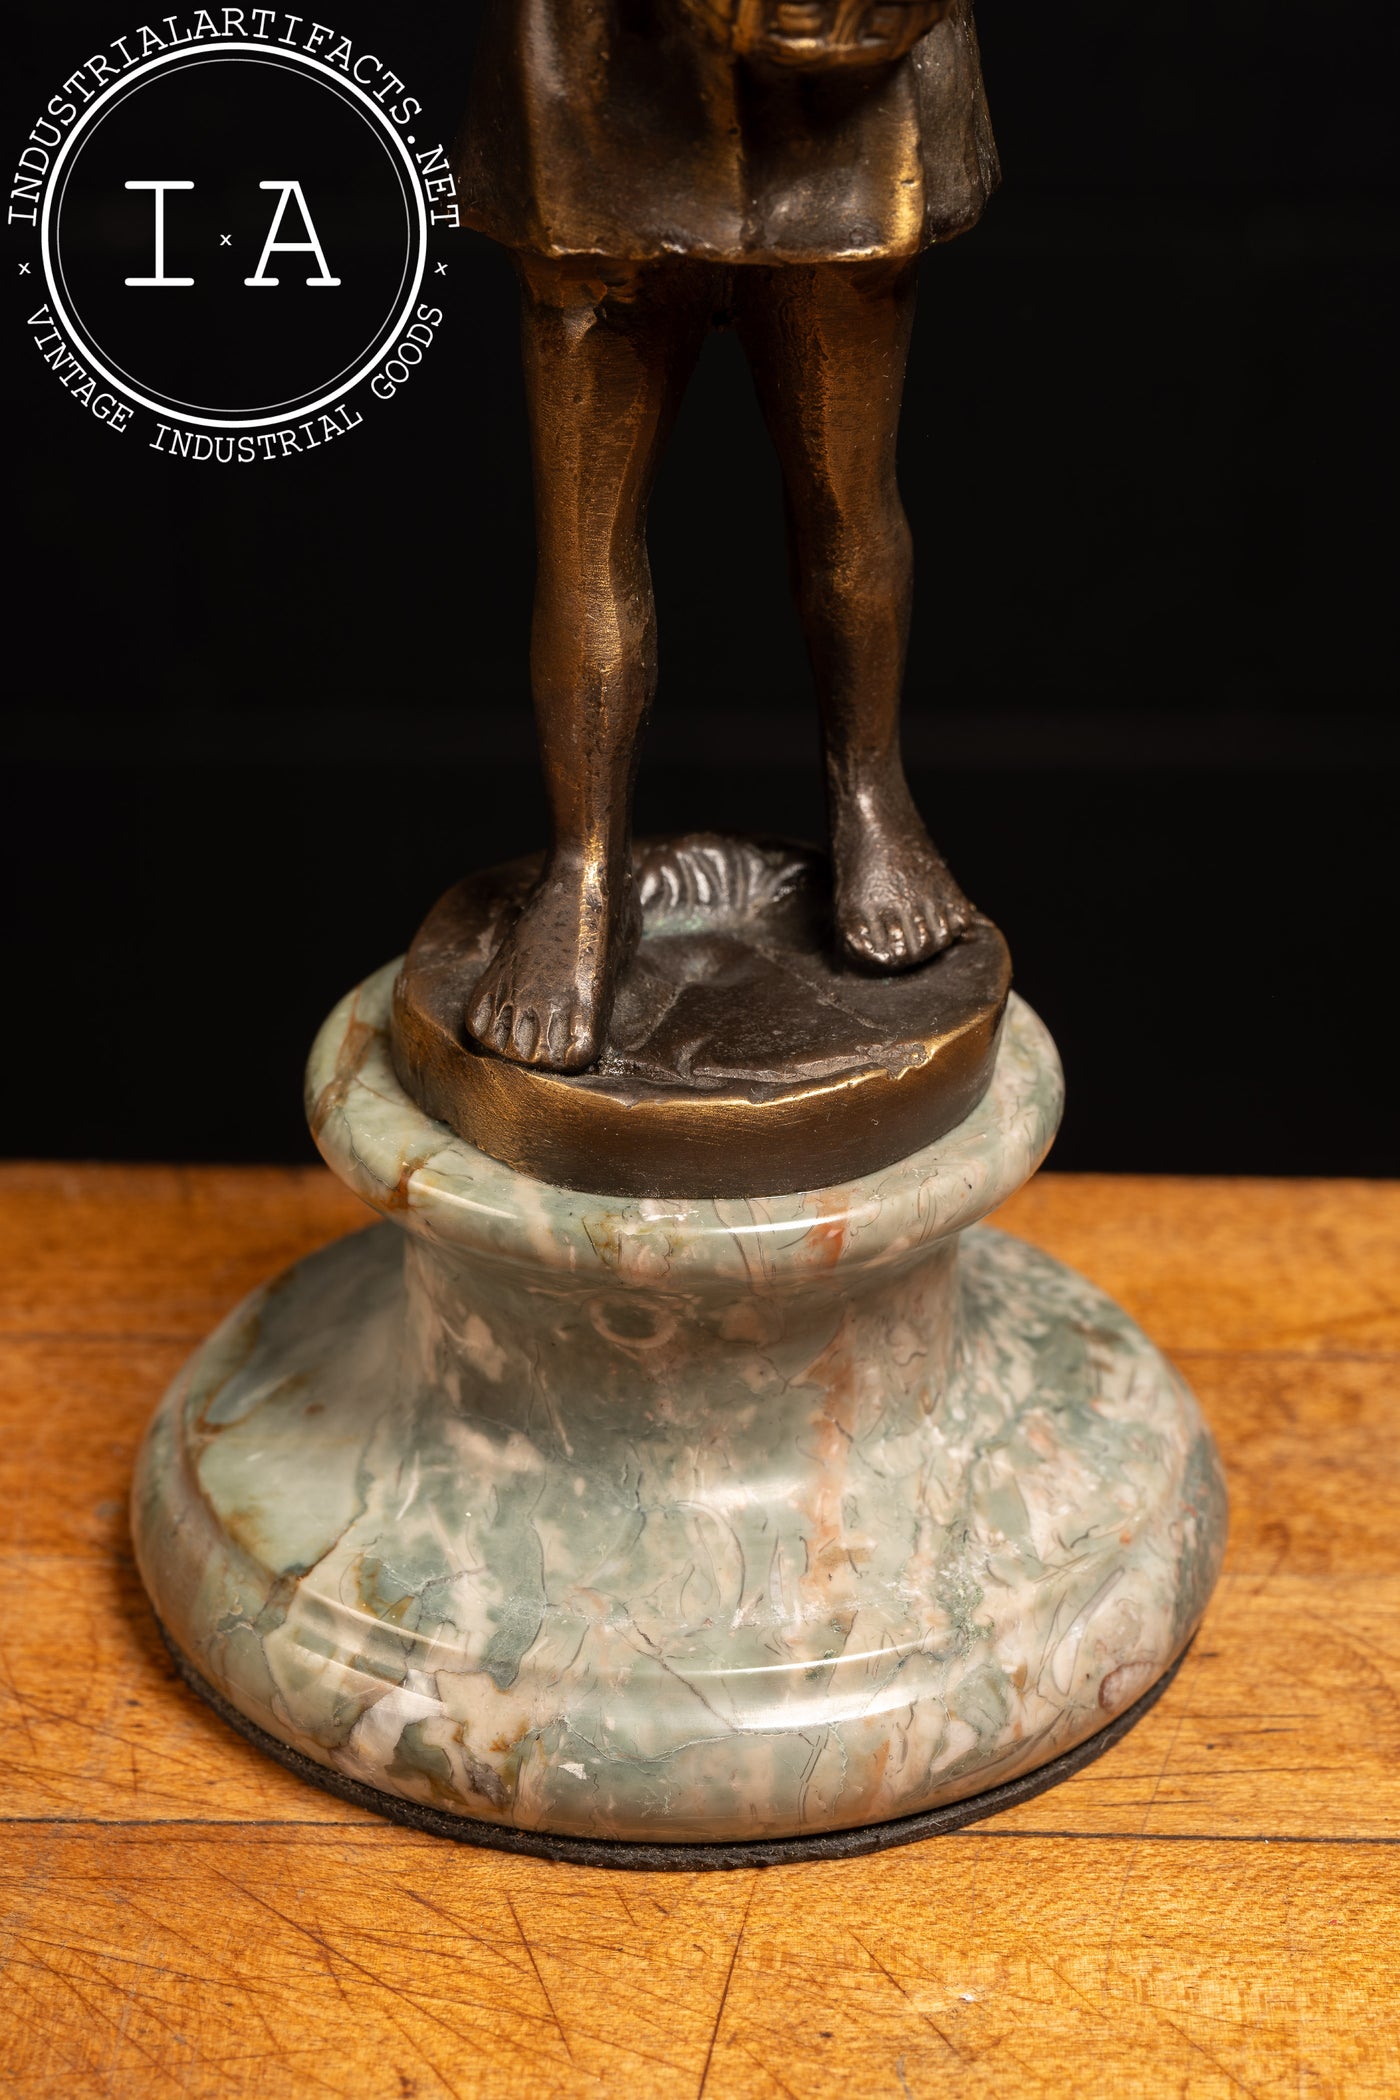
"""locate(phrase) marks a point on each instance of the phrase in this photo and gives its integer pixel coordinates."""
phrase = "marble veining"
(677, 1521)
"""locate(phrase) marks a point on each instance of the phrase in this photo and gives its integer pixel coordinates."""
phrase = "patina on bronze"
(741, 1058)
(661, 168)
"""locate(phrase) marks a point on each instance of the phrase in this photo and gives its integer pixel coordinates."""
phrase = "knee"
(589, 636)
(592, 576)
(869, 557)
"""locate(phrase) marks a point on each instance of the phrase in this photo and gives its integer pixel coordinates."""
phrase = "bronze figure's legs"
(608, 350)
(828, 344)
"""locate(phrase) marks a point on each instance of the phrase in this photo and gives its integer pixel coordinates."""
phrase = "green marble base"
(639, 1856)
(678, 1523)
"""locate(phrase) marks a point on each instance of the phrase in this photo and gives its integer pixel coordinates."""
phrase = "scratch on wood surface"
(332, 1956)
(1208, 2054)
(766, 2070)
(724, 1995)
(544, 1987)
(926, 2017)
(95, 2009)
(464, 1932)
(21, 1704)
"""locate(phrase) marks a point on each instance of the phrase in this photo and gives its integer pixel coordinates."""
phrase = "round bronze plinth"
(741, 1059)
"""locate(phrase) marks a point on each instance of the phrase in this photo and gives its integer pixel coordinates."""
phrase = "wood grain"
(1212, 1908)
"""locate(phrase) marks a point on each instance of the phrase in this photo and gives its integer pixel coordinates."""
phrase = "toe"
(556, 1046)
(482, 1012)
(583, 1042)
(525, 1035)
(579, 1055)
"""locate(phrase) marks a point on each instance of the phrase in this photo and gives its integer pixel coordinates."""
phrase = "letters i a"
(272, 246)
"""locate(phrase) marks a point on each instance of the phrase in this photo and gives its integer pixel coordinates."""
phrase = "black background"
(259, 717)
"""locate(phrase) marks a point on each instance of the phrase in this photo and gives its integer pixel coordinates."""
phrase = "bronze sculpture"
(660, 167)
(679, 1476)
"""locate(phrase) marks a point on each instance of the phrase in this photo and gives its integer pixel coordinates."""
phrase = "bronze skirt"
(621, 128)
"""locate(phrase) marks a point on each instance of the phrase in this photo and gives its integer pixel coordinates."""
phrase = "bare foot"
(546, 994)
(897, 905)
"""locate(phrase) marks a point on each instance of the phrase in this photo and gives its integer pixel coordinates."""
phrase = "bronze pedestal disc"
(741, 1058)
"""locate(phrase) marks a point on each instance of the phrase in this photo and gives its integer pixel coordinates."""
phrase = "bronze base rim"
(744, 1058)
(644, 1856)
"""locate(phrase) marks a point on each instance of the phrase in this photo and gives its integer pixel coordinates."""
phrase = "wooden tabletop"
(1212, 1908)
